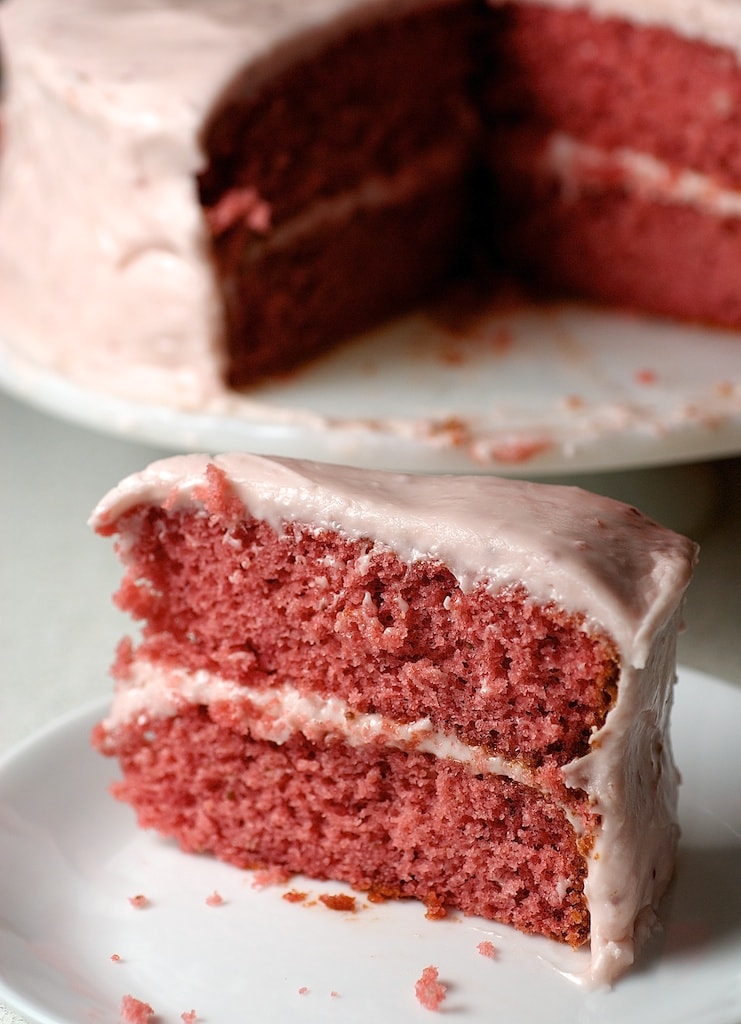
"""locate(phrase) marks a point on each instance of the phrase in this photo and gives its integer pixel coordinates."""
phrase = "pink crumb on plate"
(487, 949)
(339, 901)
(189, 1017)
(139, 901)
(429, 991)
(270, 876)
(215, 899)
(134, 1011)
(292, 896)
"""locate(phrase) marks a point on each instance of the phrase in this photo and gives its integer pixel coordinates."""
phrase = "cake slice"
(450, 688)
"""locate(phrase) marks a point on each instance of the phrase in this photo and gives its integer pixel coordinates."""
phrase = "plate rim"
(406, 445)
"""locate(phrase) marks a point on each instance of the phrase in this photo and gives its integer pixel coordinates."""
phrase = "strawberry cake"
(196, 193)
(456, 689)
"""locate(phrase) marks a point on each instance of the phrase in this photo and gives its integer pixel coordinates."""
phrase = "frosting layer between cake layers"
(110, 278)
(588, 555)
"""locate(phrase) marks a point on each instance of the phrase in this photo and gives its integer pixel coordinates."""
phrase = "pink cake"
(450, 688)
(197, 193)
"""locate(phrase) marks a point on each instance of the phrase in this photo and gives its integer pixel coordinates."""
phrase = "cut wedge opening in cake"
(254, 186)
(453, 689)
(462, 140)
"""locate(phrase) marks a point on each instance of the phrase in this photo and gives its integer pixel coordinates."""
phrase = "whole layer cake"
(450, 688)
(194, 194)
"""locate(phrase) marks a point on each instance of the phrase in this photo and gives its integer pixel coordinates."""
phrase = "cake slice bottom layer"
(389, 821)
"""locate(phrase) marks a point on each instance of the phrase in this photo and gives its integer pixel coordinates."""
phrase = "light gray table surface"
(59, 627)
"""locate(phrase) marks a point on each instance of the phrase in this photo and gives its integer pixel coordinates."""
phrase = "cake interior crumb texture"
(312, 698)
(387, 638)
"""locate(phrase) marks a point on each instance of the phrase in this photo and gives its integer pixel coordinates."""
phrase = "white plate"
(534, 390)
(71, 859)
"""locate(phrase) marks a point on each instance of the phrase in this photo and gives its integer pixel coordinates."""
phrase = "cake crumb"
(139, 901)
(573, 402)
(429, 991)
(516, 449)
(435, 908)
(303, 991)
(189, 1017)
(115, 958)
(377, 895)
(270, 876)
(334, 995)
(240, 206)
(134, 1011)
(292, 896)
(487, 948)
(501, 340)
(339, 901)
(215, 899)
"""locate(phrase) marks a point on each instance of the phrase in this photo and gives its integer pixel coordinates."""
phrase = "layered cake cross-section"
(198, 193)
(456, 689)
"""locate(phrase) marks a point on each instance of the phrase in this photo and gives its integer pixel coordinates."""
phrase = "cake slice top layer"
(590, 554)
